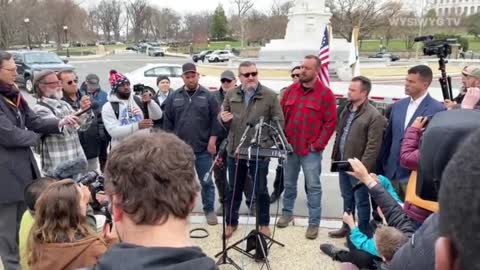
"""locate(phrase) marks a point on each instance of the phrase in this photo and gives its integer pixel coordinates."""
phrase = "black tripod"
(224, 259)
(445, 81)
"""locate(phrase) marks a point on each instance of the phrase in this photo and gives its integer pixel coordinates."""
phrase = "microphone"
(244, 135)
(145, 110)
(92, 107)
(288, 146)
(221, 149)
(69, 168)
(258, 132)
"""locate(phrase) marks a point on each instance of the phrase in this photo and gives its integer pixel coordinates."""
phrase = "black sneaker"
(330, 250)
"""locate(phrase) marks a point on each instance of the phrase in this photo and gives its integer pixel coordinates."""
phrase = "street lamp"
(27, 25)
(65, 29)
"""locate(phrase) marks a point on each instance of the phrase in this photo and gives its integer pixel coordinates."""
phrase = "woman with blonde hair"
(61, 237)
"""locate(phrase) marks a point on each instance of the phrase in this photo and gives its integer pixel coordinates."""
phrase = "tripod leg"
(263, 249)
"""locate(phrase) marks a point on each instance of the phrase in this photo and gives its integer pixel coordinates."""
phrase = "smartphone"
(341, 166)
(429, 117)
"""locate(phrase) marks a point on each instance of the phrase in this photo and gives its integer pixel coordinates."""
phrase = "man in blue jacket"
(404, 112)
(191, 113)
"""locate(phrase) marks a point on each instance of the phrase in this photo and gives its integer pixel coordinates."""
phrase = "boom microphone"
(69, 168)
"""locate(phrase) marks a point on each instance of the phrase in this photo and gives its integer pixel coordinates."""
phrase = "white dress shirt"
(412, 107)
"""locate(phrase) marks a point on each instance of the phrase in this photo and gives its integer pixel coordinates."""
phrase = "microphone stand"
(255, 239)
(224, 259)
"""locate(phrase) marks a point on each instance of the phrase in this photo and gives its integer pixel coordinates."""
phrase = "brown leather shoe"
(229, 231)
(265, 230)
(340, 233)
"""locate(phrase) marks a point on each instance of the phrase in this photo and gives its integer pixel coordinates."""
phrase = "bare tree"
(116, 7)
(196, 27)
(369, 15)
(242, 8)
(105, 18)
(139, 13)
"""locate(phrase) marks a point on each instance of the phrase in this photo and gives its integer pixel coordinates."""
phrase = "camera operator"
(470, 82)
(152, 185)
(57, 148)
(60, 237)
(121, 115)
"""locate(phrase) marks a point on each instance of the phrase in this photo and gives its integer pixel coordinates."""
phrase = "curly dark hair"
(153, 176)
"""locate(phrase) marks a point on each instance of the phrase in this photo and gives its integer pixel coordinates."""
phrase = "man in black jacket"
(20, 129)
(191, 113)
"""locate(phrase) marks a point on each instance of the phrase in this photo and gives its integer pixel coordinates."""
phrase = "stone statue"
(304, 6)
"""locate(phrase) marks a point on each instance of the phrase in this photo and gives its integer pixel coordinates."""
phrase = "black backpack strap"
(44, 104)
(116, 108)
(138, 101)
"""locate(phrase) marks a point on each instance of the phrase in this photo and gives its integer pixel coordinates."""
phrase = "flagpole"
(354, 42)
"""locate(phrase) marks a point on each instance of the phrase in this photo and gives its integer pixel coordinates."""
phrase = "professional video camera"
(95, 184)
(442, 49)
(139, 89)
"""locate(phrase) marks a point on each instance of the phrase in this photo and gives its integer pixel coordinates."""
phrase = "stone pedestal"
(305, 29)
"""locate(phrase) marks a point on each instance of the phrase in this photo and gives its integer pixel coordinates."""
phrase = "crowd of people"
(407, 177)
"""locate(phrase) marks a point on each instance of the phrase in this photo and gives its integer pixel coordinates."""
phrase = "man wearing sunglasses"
(56, 149)
(247, 103)
(89, 138)
(228, 82)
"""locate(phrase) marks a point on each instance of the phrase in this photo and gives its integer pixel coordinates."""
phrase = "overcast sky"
(186, 6)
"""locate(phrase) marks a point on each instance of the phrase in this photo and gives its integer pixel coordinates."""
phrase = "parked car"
(147, 75)
(30, 63)
(201, 56)
(156, 51)
(220, 56)
(392, 57)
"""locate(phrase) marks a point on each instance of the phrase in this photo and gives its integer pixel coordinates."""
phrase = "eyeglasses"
(72, 81)
(226, 81)
(247, 75)
(295, 76)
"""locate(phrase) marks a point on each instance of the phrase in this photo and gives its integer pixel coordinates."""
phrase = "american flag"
(324, 56)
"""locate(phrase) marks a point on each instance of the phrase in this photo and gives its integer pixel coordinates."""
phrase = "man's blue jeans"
(203, 162)
(360, 198)
(311, 165)
(238, 170)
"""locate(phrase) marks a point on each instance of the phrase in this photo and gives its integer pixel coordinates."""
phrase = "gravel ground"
(298, 253)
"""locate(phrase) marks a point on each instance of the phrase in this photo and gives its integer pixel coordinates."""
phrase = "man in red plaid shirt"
(310, 114)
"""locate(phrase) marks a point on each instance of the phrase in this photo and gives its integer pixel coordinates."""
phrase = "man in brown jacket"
(359, 132)
(247, 104)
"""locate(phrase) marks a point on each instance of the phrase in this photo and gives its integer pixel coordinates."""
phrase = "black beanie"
(161, 78)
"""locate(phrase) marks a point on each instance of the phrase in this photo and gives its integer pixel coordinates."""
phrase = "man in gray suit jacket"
(20, 129)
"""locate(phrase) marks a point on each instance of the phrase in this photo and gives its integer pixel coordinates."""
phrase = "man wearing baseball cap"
(191, 113)
(91, 87)
(470, 93)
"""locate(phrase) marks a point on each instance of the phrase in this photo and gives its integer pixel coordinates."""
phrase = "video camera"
(441, 47)
(96, 184)
(139, 89)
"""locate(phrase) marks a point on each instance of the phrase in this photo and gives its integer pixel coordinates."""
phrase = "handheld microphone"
(69, 168)
(288, 146)
(145, 111)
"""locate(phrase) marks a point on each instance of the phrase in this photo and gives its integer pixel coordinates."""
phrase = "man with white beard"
(55, 149)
